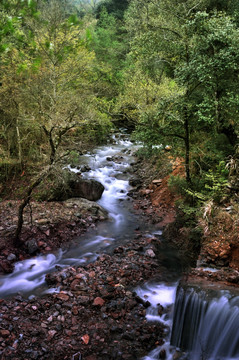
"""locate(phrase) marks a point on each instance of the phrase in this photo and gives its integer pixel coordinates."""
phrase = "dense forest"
(72, 70)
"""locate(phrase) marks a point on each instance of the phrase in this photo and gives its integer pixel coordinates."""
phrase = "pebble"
(98, 301)
(150, 253)
(11, 257)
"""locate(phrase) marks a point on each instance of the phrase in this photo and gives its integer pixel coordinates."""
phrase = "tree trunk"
(25, 202)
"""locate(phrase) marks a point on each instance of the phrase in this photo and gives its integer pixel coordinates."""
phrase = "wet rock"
(11, 257)
(177, 355)
(88, 189)
(85, 168)
(32, 246)
(146, 304)
(162, 354)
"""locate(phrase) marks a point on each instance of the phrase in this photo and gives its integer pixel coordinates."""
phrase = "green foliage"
(109, 44)
(73, 158)
(113, 7)
(170, 69)
(212, 185)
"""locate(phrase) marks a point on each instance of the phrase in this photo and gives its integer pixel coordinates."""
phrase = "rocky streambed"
(96, 314)
(87, 306)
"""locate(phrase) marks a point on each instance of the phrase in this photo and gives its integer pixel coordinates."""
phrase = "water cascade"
(206, 325)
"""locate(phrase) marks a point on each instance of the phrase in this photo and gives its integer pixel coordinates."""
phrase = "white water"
(29, 275)
(206, 324)
(159, 295)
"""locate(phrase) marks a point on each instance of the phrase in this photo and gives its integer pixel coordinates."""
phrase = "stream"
(202, 325)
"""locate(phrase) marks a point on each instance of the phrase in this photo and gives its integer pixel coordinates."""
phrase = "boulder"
(85, 207)
(135, 182)
(87, 189)
(32, 246)
(64, 184)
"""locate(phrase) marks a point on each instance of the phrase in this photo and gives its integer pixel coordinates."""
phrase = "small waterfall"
(206, 326)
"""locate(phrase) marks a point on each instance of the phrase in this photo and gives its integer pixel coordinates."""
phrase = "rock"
(51, 333)
(177, 355)
(4, 333)
(145, 192)
(98, 301)
(6, 266)
(150, 253)
(32, 246)
(135, 182)
(69, 184)
(76, 356)
(62, 296)
(11, 257)
(42, 221)
(157, 182)
(87, 207)
(85, 338)
(162, 354)
(85, 168)
(83, 300)
(88, 189)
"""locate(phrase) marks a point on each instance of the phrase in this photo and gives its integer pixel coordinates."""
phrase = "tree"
(214, 70)
(168, 38)
(55, 89)
(57, 78)
(12, 38)
(113, 7)
(85, 6)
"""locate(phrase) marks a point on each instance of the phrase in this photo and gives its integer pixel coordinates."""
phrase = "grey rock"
(88, 189)
(32, 246)
(84, 206)
(11, 257)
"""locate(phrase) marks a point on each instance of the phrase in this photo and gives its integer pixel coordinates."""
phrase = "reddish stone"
(75, 310)
(63, 297)
(4, 333)
(75, 284)
(98, 301)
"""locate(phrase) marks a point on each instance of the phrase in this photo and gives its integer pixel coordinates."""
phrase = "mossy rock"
(63, 184)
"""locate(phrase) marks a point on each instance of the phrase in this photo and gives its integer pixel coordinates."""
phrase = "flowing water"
(206, 323)
(203, 327)
(109, 165)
